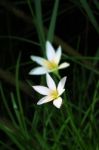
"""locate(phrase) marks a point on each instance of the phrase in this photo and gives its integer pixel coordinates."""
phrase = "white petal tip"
(58, 106)
(33, 87)
(57, 102)
(64, 65)
(31, 73)
(64, 79)
(48, 42)
(38, 71)
(31, 56)
(38, 103)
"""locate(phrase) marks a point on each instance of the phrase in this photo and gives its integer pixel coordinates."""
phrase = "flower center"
(54, 94)
(50, 65)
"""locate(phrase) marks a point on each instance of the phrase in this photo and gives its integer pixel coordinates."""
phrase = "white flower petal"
(50, 82)
(61, 85)
(38, 60)
(57, 102)
(44, 100)
(38, 71)
(41, 89)
(64, 65)
(58, 55)
(60, 92)
(50, 52)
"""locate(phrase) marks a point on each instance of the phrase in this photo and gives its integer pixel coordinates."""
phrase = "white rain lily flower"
(51, 63)
(51, 93)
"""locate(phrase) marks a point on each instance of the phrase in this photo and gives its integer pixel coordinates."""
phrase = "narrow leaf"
(53, 21)
(90, 14)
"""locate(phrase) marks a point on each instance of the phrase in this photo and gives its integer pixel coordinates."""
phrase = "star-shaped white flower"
(51, 63)
(51, 93)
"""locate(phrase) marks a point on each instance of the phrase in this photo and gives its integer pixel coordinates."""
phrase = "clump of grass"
(75, 125)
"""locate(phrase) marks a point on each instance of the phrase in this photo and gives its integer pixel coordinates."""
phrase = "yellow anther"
(50, 65)
(54, 94)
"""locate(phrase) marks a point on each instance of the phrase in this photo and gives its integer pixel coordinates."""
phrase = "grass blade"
(96, 2)
(39, 22)
(90, 14)
(22, 118)
(53, 21)
(6, 106)
(11, 134)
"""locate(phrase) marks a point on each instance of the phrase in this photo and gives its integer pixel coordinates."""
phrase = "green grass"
(75, 126)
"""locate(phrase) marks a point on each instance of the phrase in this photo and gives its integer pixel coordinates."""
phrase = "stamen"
(50, 64)
(54, 94)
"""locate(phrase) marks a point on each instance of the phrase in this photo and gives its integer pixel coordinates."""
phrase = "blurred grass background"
(24, 28)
